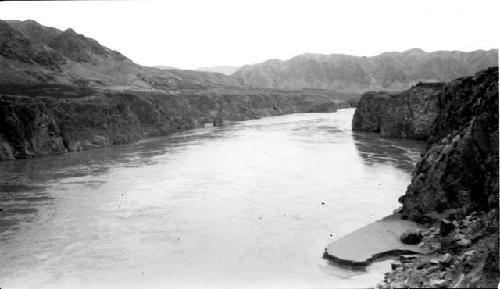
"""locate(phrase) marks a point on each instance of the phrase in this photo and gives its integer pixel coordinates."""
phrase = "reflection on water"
(400, 153)
(252, 204)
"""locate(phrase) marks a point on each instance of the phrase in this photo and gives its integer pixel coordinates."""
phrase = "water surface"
(252, 204)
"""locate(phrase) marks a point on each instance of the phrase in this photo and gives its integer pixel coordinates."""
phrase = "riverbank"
(46, 120)
(454, 188)
(372, 243)
(463, 252)
(61, 91)
(164, 207)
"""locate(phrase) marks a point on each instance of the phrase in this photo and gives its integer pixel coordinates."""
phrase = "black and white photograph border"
(249, 144)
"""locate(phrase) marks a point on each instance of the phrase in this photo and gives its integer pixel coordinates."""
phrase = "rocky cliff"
(459, 169)
(387, 71)
(406, 114)
(43, 120)
(460, 121)
(454, 190)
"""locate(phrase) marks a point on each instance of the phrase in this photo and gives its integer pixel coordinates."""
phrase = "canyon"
(61, 91)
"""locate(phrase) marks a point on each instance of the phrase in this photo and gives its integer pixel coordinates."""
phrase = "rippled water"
(232, 207)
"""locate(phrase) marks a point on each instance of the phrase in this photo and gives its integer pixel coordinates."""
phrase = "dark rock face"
(455, 189)
(387, 71)
(407, 114)
(47, 120)
(459, 170)
(446, 227)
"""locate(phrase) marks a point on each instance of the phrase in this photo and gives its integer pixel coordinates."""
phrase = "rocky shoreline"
(463, 253)
(454, 188)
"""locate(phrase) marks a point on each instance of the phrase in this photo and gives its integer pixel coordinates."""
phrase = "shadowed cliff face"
(455, 188)
(43, 120)
(407, 114)
(459, 170)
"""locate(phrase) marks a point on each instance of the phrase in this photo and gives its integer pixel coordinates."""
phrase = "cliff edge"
(405, 114)
(454, 191)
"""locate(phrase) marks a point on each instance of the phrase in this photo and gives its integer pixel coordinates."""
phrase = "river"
(249, 205)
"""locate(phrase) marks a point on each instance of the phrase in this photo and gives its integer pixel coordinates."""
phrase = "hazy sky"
(193, 33)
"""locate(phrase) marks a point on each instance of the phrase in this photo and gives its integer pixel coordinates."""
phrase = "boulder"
(446, 227)
(411, 237)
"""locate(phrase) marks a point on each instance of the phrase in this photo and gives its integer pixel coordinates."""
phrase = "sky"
(193, 33)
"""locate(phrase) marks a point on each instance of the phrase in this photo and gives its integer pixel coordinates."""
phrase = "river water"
(249, 205)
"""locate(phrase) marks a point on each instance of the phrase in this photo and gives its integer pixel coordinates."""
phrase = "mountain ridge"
(386, 71)
(32, 54)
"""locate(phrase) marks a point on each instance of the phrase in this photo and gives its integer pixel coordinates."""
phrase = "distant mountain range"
(387, 71)
(227, 70)
(164, 67)
(31, 53)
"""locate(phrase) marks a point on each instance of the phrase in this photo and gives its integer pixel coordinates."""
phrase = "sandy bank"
(373, 242)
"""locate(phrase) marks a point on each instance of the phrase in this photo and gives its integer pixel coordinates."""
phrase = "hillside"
(387, 71)
(31, 53)
(61, 91)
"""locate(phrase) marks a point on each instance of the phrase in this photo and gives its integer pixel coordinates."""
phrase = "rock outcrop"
(454, 190)
(454, 187)
(387, 71)
(459, 169)
(407, 114)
